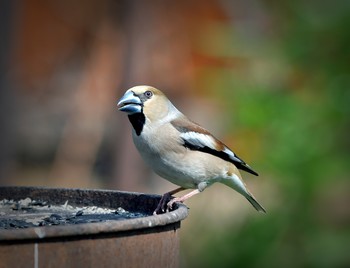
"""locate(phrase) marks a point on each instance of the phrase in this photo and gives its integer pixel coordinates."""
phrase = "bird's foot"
(171, 203)
(163, 204)
(167, 201)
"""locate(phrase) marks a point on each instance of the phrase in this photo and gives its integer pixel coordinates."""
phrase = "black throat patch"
(137, 121)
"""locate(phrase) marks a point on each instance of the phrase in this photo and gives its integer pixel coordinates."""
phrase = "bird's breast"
(167, 157)
(171, 160)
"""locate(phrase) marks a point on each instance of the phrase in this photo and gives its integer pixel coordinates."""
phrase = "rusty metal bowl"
(119, 240)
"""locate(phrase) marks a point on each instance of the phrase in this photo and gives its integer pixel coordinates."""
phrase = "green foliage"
(293, 99)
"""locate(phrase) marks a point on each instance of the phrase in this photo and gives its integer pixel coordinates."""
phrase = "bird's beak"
(130, 103)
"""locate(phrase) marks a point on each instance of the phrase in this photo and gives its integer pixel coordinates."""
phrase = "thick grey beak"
(130, 103)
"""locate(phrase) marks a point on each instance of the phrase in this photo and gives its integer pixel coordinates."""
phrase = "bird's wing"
(195, 137)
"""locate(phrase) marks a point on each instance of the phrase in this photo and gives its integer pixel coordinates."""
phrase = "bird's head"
(146, 100)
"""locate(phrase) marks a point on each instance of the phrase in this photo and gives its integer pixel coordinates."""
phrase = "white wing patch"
(198, 139)
(208, 144)
(231, 155)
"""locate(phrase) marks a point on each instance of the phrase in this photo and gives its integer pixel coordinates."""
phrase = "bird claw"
(163, 205)
(170, 205)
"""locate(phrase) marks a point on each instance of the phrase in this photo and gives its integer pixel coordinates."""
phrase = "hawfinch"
(178, 149)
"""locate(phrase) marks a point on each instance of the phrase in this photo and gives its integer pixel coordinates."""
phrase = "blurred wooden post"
(94, 99)
(7, 9)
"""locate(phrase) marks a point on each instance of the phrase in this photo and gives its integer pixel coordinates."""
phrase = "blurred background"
(269, 78)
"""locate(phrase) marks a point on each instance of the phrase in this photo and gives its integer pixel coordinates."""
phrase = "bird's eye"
(148, 94)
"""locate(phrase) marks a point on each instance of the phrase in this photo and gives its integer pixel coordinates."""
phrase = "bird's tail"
(254, 202)
(235, 182)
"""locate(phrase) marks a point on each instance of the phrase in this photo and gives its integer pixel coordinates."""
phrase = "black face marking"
(137, 121)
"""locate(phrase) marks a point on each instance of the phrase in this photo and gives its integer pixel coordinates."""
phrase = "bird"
(179, 150)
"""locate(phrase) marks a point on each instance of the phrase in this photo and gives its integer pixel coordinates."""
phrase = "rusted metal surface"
(137, 242)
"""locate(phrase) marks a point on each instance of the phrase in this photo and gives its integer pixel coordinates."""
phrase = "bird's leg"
(162, 205)
(181, 199)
